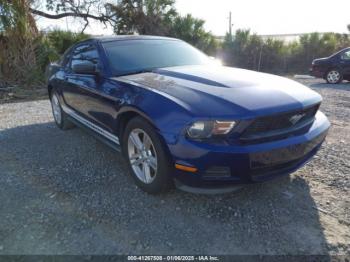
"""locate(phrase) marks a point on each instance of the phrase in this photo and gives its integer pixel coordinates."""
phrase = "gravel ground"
(66, 193)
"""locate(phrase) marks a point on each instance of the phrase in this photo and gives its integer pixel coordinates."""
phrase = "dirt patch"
(16, 94)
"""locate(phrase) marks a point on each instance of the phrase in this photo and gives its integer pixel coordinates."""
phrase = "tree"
(236, 49)
(159, 17)
(143, 16)
(86, 9)
(60, 40)
(17, 46)
(15, 16)
(250, 51)
(192, 30)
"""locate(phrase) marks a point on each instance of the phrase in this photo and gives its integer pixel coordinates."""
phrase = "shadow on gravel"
(66, 193)
(343, 86)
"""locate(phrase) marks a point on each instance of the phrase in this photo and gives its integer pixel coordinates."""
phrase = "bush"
(60, 40)
(250, 51)
(18, 61)
(23, 59)
(192, 30)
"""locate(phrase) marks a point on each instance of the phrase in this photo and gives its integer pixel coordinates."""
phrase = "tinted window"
(346, 55)
(65, 58)
(137, 55)
(85, 53)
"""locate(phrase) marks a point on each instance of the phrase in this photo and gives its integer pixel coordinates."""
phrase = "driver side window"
(85, 53)
(346, 55)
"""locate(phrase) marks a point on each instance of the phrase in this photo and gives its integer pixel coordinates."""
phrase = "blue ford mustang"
(181, 119)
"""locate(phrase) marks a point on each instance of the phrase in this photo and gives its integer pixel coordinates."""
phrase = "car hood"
(320, 60)
(216, 91)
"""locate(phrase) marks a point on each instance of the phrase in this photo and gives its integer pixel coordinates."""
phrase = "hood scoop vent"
(189, 77)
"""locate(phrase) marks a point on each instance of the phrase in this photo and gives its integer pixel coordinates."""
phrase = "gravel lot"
(67, 193)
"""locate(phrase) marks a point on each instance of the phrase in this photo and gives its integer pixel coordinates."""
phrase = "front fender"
(165, 114)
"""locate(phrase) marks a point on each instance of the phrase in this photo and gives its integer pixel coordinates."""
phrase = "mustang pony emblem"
(296, 118)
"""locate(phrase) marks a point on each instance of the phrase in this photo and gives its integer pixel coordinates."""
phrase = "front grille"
(280, 123)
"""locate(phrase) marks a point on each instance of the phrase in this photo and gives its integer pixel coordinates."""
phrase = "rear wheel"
(59, 116)
(147, 158)
(334, 76)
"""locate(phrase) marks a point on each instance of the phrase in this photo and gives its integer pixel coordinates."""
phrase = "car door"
(85, 93)
(345, 62)
(75, 92)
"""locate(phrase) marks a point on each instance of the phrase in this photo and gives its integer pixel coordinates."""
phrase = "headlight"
(206, 129)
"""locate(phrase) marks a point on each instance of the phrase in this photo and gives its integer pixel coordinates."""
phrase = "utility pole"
(230, 24)
(260, 56)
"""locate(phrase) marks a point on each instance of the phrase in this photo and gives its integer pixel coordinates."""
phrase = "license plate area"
(283, 155)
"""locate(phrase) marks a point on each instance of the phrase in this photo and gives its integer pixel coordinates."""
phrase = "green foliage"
(60, 40)
(17, 47)
(24, 52)
(143, 16)
(13, 16)
(151, 17)
(243, 49)
(51, 46)
(40, 51)
(45, 52)
(273, 56)
(192, 30)
(315, 45)
(250, 51)
(159, 17)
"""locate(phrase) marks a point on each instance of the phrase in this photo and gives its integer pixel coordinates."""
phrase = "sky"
(264, 17)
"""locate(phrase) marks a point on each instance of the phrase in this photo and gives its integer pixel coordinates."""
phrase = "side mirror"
(86, 68)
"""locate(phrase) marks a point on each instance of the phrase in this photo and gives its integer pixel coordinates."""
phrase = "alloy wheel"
(56, 109)
(142, 156)
(333, 76)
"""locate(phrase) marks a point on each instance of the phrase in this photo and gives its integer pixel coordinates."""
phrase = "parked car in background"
(333, 69)
(179, 119)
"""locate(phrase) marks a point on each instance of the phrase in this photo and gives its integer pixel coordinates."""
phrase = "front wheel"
(59, 116)
(147, 158)
(334, 76)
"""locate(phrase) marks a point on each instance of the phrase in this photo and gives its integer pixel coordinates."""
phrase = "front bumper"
(244, 164)
(317, 72)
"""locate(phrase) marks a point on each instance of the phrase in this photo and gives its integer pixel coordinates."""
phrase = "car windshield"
(339, 52)
(135, 56)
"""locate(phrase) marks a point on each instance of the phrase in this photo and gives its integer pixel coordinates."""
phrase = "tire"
(147, 158)
(334, 76)
(60, 117)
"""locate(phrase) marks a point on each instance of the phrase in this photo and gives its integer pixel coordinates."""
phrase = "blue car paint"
(237, 157)
(173, 98)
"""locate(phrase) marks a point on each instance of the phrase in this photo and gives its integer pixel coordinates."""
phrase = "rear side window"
(346, 55)
(84, 53)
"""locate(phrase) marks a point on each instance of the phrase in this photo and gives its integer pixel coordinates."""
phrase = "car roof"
(128, 37)
(340, 51)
